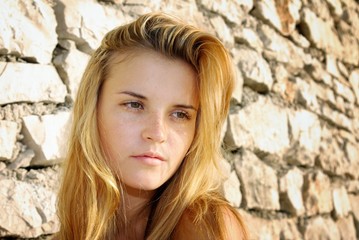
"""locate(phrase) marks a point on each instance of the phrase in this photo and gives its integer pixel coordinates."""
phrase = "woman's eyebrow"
(185, 106)
(136, 95)
(133, 94)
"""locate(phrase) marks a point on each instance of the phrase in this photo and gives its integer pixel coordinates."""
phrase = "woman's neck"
(136, 210)
(136, 201)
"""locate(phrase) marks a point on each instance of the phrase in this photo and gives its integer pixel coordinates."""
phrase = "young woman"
(145, 143)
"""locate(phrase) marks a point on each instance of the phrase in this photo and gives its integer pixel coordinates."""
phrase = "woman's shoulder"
(210, 219)
(234, 225)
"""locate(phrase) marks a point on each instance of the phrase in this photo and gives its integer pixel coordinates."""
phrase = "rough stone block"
(231, 10)
(352, 186)
(351, 50)
(291, 192)
(238, 89)
(282, 15)
(341, 202)
(318, 73)
(324, 93)
(255, 70)
(223, 31)
(344, 90)
(25, 82)
(260, 185)
(354, 81)
(299, 156)
(71, 64)
(320, 33)
(332, 66)
(354, 203)
(352, 154)
(336, 118)
(321, 228)
(306, 134)
(8, 132)
(76, 22)
(232, 191)
(336, 6)
(259, 228)
(260, 126)
(248, 37)
(307, 94)
(28, 29)
(317, 193)
(23, 160)
(280, 49)
(332, 158)
(47, 136)
(346, 228)
(26, 208)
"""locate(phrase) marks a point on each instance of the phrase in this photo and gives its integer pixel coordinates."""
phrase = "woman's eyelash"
(137, 106)
(133, 105)
(185, 115)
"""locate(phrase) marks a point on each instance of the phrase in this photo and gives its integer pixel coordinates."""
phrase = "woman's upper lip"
(150, 155)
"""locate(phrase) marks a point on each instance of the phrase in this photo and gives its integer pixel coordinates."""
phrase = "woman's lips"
(152, 159)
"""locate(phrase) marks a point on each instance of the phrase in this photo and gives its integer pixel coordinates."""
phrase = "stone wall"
(291, 142)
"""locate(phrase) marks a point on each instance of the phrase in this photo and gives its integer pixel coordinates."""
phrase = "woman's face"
(147, 113)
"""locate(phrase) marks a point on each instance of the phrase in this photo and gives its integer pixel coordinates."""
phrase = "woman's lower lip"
(149, 160)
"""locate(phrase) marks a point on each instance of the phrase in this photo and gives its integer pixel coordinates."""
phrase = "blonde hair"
(90, 198)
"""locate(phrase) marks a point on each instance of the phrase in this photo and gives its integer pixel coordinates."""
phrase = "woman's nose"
(155, 129)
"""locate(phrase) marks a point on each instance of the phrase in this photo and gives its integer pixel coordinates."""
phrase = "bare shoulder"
(220, 221)
(234, 226)
(186, 228)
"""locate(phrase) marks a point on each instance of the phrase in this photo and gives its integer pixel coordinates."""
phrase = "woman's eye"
(133, 105)
(181, 115)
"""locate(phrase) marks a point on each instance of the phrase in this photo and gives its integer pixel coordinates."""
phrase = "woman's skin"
(147, 113)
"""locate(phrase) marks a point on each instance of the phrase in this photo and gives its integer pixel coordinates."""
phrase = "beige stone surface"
(26, 209)
(337, 6)
(341, 202)
(305, 129)
(354, 202)
(320, 33)
(255, 70)
(230, 9)
(223, 31)
(306, 94)
(270, 229)
(8, 132)
(76, 22)
(344, 90)
(321, 228)
(260, 184)
(317, 194)
(28, 29)
(283, 15)
(259, 126)
(71, 64)
(281, 49)
(249, 37)
(290, 186)
(25, 82)
(231, 188)
(47, 136)
(354, 81)
(346, 228)
(238, 89)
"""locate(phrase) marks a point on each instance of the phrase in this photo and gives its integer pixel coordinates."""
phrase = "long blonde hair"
(89, 197)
